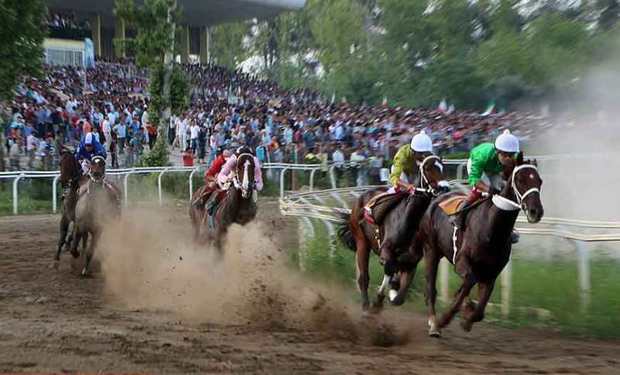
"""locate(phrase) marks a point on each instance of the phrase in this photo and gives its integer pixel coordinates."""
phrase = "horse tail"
(345, 232)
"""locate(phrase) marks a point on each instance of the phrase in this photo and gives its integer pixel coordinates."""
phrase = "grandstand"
(96, 21)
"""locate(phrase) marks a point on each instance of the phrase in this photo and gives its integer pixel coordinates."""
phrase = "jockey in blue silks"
(88, 148)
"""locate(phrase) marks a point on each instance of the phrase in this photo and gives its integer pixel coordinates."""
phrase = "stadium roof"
(195, 12)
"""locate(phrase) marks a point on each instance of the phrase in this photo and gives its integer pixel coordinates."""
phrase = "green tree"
(228, 49)
(21, 38)
(156, 23)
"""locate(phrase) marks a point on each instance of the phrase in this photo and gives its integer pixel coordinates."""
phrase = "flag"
(443, 106)
(490, 109)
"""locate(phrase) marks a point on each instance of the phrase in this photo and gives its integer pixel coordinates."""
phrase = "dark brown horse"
(97, 202)
(480, 251)
(70, 178)
(237, 205)
(393, 235)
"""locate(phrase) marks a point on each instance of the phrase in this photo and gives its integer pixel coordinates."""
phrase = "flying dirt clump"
(149, 262)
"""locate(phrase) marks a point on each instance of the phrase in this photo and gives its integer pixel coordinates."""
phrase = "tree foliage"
(155, 22)
(21, 37)
(418, 52)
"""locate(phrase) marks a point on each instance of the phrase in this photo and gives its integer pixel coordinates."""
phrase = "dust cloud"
(149, 262)
(583, 183)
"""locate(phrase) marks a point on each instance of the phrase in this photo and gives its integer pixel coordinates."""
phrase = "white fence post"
(191, 183)
(55, 193)
(282, 173)
(161, 199)
(16, 194)
(506, 289)
(583, 272)
(126, 188)
(312, 179)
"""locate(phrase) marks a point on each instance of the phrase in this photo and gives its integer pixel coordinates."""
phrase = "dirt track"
(53, 321)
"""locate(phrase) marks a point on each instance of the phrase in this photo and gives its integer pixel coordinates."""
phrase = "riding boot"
(459, 219)
(212, 204)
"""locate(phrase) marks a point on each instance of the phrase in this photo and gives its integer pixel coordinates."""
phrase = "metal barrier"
(125, 173)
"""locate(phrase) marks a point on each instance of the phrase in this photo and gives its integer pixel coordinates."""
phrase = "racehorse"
(394, 233)
(480, 251)
(97, 201)
(70, 181)
(237, 205)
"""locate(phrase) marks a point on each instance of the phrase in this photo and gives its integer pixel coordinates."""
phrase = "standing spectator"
(121, 131)
(194, 133)
(358, 161)
(31, 148)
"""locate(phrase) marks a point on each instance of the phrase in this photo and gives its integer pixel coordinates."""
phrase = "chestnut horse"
(97, 201)
(393, 235)
(237, 205)
(480, 251)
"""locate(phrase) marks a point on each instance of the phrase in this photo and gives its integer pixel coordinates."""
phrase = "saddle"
(381, 204)
(452, 205)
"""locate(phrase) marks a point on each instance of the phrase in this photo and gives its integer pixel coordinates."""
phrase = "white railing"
(125, 173)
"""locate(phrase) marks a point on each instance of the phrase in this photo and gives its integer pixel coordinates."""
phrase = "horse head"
(97, 169)
(244, 175)
(431, 174)
(526, 183)
(69, 168)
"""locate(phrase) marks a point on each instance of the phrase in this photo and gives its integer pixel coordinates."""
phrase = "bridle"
(96, 160)
(507, 204)
(245, 185)
(425, 185)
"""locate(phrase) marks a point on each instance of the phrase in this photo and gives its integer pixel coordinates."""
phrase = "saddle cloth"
(382, 203)
(452, 205)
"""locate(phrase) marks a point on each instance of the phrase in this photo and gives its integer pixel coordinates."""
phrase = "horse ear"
(520, 158)
(534, 162)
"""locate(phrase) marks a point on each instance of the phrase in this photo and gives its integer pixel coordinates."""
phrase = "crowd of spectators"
(227, 109)
(67, 25)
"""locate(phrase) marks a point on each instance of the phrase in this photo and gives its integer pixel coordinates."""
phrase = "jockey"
(216, 166)
(407, 161)
(484, 168)
(88, 148)
(227, 172)
(229, 167)
(405, 170)
(212, 172)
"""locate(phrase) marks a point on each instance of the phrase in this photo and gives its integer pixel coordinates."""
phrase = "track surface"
(54, 321)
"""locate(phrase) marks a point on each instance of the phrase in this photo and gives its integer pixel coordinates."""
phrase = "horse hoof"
(433, 332)
(84, 272)
(75, 254)
(395, 298)
(376, 308)
(466, 325)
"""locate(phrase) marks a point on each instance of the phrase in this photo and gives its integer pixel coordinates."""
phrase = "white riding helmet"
(422, 143)
(88, 139)
(507, 142)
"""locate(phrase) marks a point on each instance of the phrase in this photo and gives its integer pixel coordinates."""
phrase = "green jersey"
(484, 160)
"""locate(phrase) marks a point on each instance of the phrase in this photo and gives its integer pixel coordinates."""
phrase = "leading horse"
(480, 251)
(394, 234)
(97, 201)
(237, 205)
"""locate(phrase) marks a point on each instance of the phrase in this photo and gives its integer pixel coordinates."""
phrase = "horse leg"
(485, 289)
(75, 241)
(90, 252)
(362, 255)
(406, 278)
(64, 228)
(463, 292)
(431, 265)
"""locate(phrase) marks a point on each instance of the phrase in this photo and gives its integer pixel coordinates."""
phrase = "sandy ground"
(157, 304)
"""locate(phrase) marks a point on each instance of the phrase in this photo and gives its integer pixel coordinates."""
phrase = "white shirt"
(194, 130)
(338, 158)
(31, 142)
